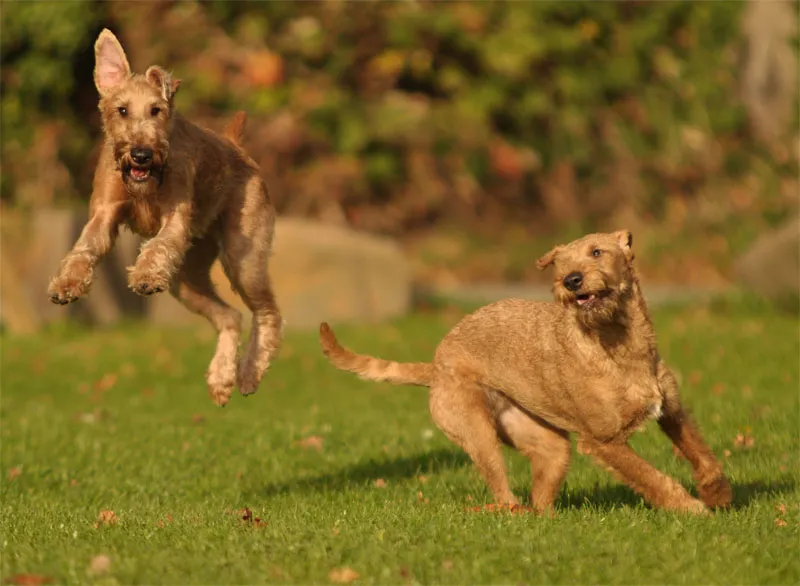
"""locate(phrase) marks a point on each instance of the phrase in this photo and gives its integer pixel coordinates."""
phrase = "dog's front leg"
(162, 256)
(77, 268)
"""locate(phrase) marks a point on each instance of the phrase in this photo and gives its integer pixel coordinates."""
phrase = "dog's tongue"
(591, 297)
(139, 173)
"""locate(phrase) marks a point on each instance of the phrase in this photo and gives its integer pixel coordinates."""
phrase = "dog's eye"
(123, 111)
(597, 252)
(154, 111)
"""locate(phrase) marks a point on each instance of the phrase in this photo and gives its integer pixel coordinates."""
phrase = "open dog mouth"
(138, 173)
(587, 300)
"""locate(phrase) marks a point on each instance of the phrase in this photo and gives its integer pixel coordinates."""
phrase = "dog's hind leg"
(548, 449)
(459, 409)
(712, 486)
(194, 289)
(247, 239)
(656, 487)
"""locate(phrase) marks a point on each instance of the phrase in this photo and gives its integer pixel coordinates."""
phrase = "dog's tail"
(235, 128)
(370, 368)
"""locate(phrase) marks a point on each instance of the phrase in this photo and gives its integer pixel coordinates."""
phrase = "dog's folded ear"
(163, 80)
(111, 66)
(548, 258)
(625, 240)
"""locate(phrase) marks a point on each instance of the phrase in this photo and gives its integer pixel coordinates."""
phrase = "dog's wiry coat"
(530, 373)
(197, 197)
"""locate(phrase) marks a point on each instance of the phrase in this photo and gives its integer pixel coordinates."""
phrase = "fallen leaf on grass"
(107, 381)
(160, 524)
(695, 377)
(743, 441)
(422, 479)
(447, 565)
(502, 508)
(422, 498)
(99, 565)
(312, 442)
(29, 580)
(247, 517)
(343, 575)
(106, 518)
(780, 523)
(380, 483)
(781, 508)
(14, 472)
(726, 453)
(718, 389)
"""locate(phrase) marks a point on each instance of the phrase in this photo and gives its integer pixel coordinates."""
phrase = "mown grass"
(119, 420)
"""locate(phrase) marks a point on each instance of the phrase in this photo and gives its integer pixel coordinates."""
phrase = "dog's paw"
(695, 507)
(716, 493)
(147, 282)
(220, 395)
(68, 288)
(220, 384)
(248, 380)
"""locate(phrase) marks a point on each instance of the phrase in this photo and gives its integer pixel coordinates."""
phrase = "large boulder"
(771, 267)
(320, 272)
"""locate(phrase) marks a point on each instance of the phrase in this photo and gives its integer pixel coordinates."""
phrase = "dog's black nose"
(141, 156)
(573, 281)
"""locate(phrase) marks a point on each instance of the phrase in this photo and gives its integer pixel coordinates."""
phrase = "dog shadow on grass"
(363, 473)
(603, 497)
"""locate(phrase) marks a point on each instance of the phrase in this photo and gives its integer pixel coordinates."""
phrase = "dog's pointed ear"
(111, 66)
(548, 258)
(625, 241)
(163, 80)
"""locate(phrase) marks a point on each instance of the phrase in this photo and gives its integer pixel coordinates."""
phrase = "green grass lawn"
(119, 420)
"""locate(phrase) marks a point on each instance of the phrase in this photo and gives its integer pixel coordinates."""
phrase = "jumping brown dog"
(196, 196)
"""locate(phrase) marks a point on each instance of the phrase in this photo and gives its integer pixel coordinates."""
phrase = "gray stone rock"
(320, 273)
(771, 267)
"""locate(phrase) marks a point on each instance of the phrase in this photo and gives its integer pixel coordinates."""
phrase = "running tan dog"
(529, 373)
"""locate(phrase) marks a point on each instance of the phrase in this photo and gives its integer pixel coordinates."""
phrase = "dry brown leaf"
(99, 565)
(29, 580)
(447, 565)
(422, 479)
(380, 483)
(422, 498)
(781, 508)
(312, 442)
(502, 508)
(247, 517)
(780, 523)
(106, 518)
(743, 441)
(107, 381)
(726, 453)
(14, 472)
(343, 575)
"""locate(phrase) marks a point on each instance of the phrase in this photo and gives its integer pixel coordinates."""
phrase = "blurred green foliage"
(431, 108)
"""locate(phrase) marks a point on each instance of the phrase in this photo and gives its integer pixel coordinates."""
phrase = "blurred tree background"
(512, 121)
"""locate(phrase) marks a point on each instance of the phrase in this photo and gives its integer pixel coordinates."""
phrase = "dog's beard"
(595, 304)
